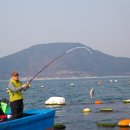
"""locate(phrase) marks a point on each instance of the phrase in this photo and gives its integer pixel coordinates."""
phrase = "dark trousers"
(17, 108)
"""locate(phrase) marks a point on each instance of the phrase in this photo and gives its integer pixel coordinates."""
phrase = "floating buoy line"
(106, 124)
(59, 126)
(121, 123)
(106, 110)
(126, 101)
(86, 110)
(124, 123)
(98, 102)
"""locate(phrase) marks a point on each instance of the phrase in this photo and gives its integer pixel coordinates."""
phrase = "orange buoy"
(124, 128)
(124, 123)
(98, 102)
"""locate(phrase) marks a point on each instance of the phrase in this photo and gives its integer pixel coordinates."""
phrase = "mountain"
(79, 62)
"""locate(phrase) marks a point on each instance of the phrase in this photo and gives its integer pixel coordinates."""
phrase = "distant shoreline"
(95, 77)
(59, 78)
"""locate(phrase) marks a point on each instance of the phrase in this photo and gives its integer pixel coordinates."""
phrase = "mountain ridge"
(77, 64)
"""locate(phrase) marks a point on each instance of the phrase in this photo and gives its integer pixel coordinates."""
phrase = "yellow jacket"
(15, 95)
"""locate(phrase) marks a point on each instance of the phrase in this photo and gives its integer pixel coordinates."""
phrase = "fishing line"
(66, 52)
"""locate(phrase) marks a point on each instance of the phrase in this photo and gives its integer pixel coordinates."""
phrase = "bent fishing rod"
(66, 52)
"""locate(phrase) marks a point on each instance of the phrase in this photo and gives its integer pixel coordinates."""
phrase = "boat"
(39, 119)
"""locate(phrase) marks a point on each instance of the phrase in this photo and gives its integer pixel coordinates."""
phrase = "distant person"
(15, 88)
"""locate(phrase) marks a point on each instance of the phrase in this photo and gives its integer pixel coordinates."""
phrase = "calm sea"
(110, 90)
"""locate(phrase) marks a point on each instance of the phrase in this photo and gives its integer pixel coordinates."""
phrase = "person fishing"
(15, 89)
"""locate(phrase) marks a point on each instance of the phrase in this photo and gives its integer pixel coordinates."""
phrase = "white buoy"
(111, 81)
(115, 80)
(42, 86)
(86, 110)
(100, 82)
(72, 84)
(55, 101)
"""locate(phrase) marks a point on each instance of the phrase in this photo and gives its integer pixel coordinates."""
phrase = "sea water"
(111, 90)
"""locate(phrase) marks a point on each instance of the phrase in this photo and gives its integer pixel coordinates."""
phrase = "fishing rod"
(66, 52)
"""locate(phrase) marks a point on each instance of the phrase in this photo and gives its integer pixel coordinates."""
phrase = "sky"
(100, 24)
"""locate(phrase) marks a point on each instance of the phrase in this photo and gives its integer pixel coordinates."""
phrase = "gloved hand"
(24, 87)
(28, 84)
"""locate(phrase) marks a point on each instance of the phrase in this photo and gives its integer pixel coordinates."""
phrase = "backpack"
(4, 106)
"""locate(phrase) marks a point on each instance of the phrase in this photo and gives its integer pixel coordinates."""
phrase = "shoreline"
(62, 78)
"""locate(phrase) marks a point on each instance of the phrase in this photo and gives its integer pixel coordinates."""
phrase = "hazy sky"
(100, 24)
